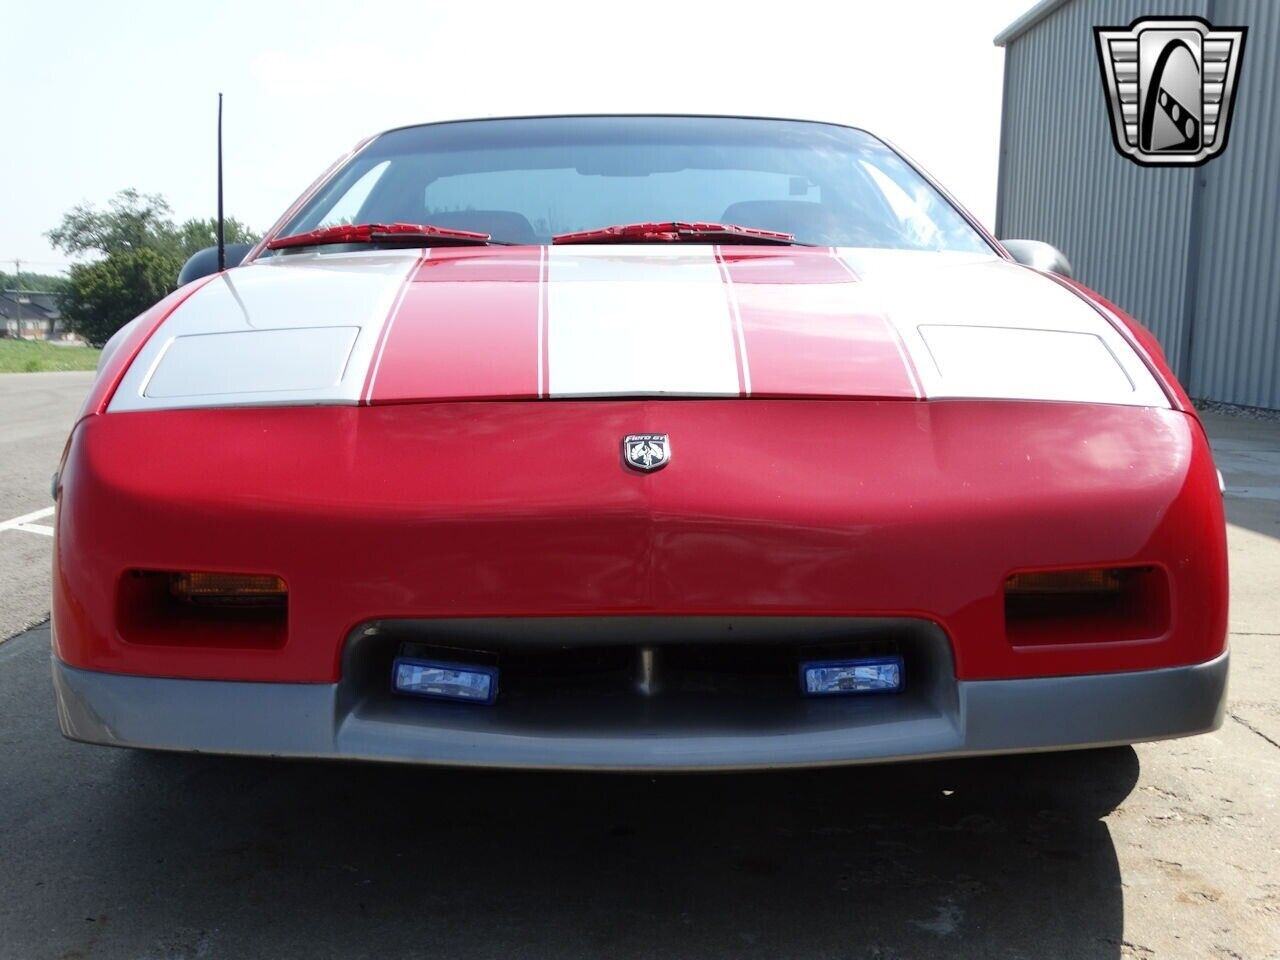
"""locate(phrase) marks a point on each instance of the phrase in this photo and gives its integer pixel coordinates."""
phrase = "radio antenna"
(222, 242)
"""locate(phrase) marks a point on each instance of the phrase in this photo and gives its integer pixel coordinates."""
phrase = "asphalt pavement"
(1163, 850)
(36, 414)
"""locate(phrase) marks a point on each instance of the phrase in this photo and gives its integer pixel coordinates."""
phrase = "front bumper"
(524, 511)
(323, 721)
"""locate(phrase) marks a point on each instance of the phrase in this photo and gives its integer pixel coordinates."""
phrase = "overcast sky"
(102, 96)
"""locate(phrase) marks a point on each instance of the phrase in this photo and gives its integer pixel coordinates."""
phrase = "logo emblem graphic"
(1170, 83)
(646, 451)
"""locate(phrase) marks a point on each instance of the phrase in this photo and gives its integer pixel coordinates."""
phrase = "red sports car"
(635, 442)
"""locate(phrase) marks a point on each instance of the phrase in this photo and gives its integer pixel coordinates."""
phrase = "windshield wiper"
(398, 234)
(678, 232)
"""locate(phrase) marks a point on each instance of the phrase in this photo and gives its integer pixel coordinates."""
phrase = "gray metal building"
(1191, 252)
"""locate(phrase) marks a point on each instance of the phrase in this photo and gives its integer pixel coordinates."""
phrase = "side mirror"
(1040, 256)
(204, 262)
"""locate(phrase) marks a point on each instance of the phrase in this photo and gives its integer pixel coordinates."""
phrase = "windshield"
(526, 180)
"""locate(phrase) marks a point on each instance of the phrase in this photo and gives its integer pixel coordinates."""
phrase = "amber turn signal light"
(228, 588)
(1065, 582)
(1098, 605)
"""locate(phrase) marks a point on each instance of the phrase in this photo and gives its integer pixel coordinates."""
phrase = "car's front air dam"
(320, 721)
(794, 508)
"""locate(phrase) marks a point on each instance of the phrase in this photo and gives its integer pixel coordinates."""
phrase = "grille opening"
(564, 674)
(1106, 605)
(149, 610)
(682, 670)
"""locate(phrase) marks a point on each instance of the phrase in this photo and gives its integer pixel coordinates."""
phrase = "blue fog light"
(826, 678)
(445, 681)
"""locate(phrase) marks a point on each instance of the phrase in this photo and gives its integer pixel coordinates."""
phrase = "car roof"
(642, 115)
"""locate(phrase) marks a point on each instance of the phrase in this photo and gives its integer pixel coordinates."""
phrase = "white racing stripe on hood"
(628, 321)
(981, 327)
(289, 303)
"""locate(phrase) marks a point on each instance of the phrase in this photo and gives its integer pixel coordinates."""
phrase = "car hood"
(632, 321)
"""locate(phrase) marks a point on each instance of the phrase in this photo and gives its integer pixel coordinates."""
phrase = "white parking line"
(25, 524)
(35, 528)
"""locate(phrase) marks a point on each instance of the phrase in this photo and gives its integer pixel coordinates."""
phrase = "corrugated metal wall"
(1214, 301)
(1235, 350)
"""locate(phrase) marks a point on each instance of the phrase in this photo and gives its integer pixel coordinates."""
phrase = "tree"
(195, 235)
(139, 251)
(42, 282)
(131, 221)
(105, 295)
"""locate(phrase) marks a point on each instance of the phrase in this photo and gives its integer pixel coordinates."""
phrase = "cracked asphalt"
(1163, 850)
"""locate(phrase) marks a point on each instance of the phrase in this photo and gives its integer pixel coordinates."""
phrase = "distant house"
(31, 315)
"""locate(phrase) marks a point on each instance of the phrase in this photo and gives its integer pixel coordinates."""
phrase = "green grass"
(35, 356)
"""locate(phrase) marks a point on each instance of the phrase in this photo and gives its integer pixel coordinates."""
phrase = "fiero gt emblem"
(646, 451)
(1171, 84)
